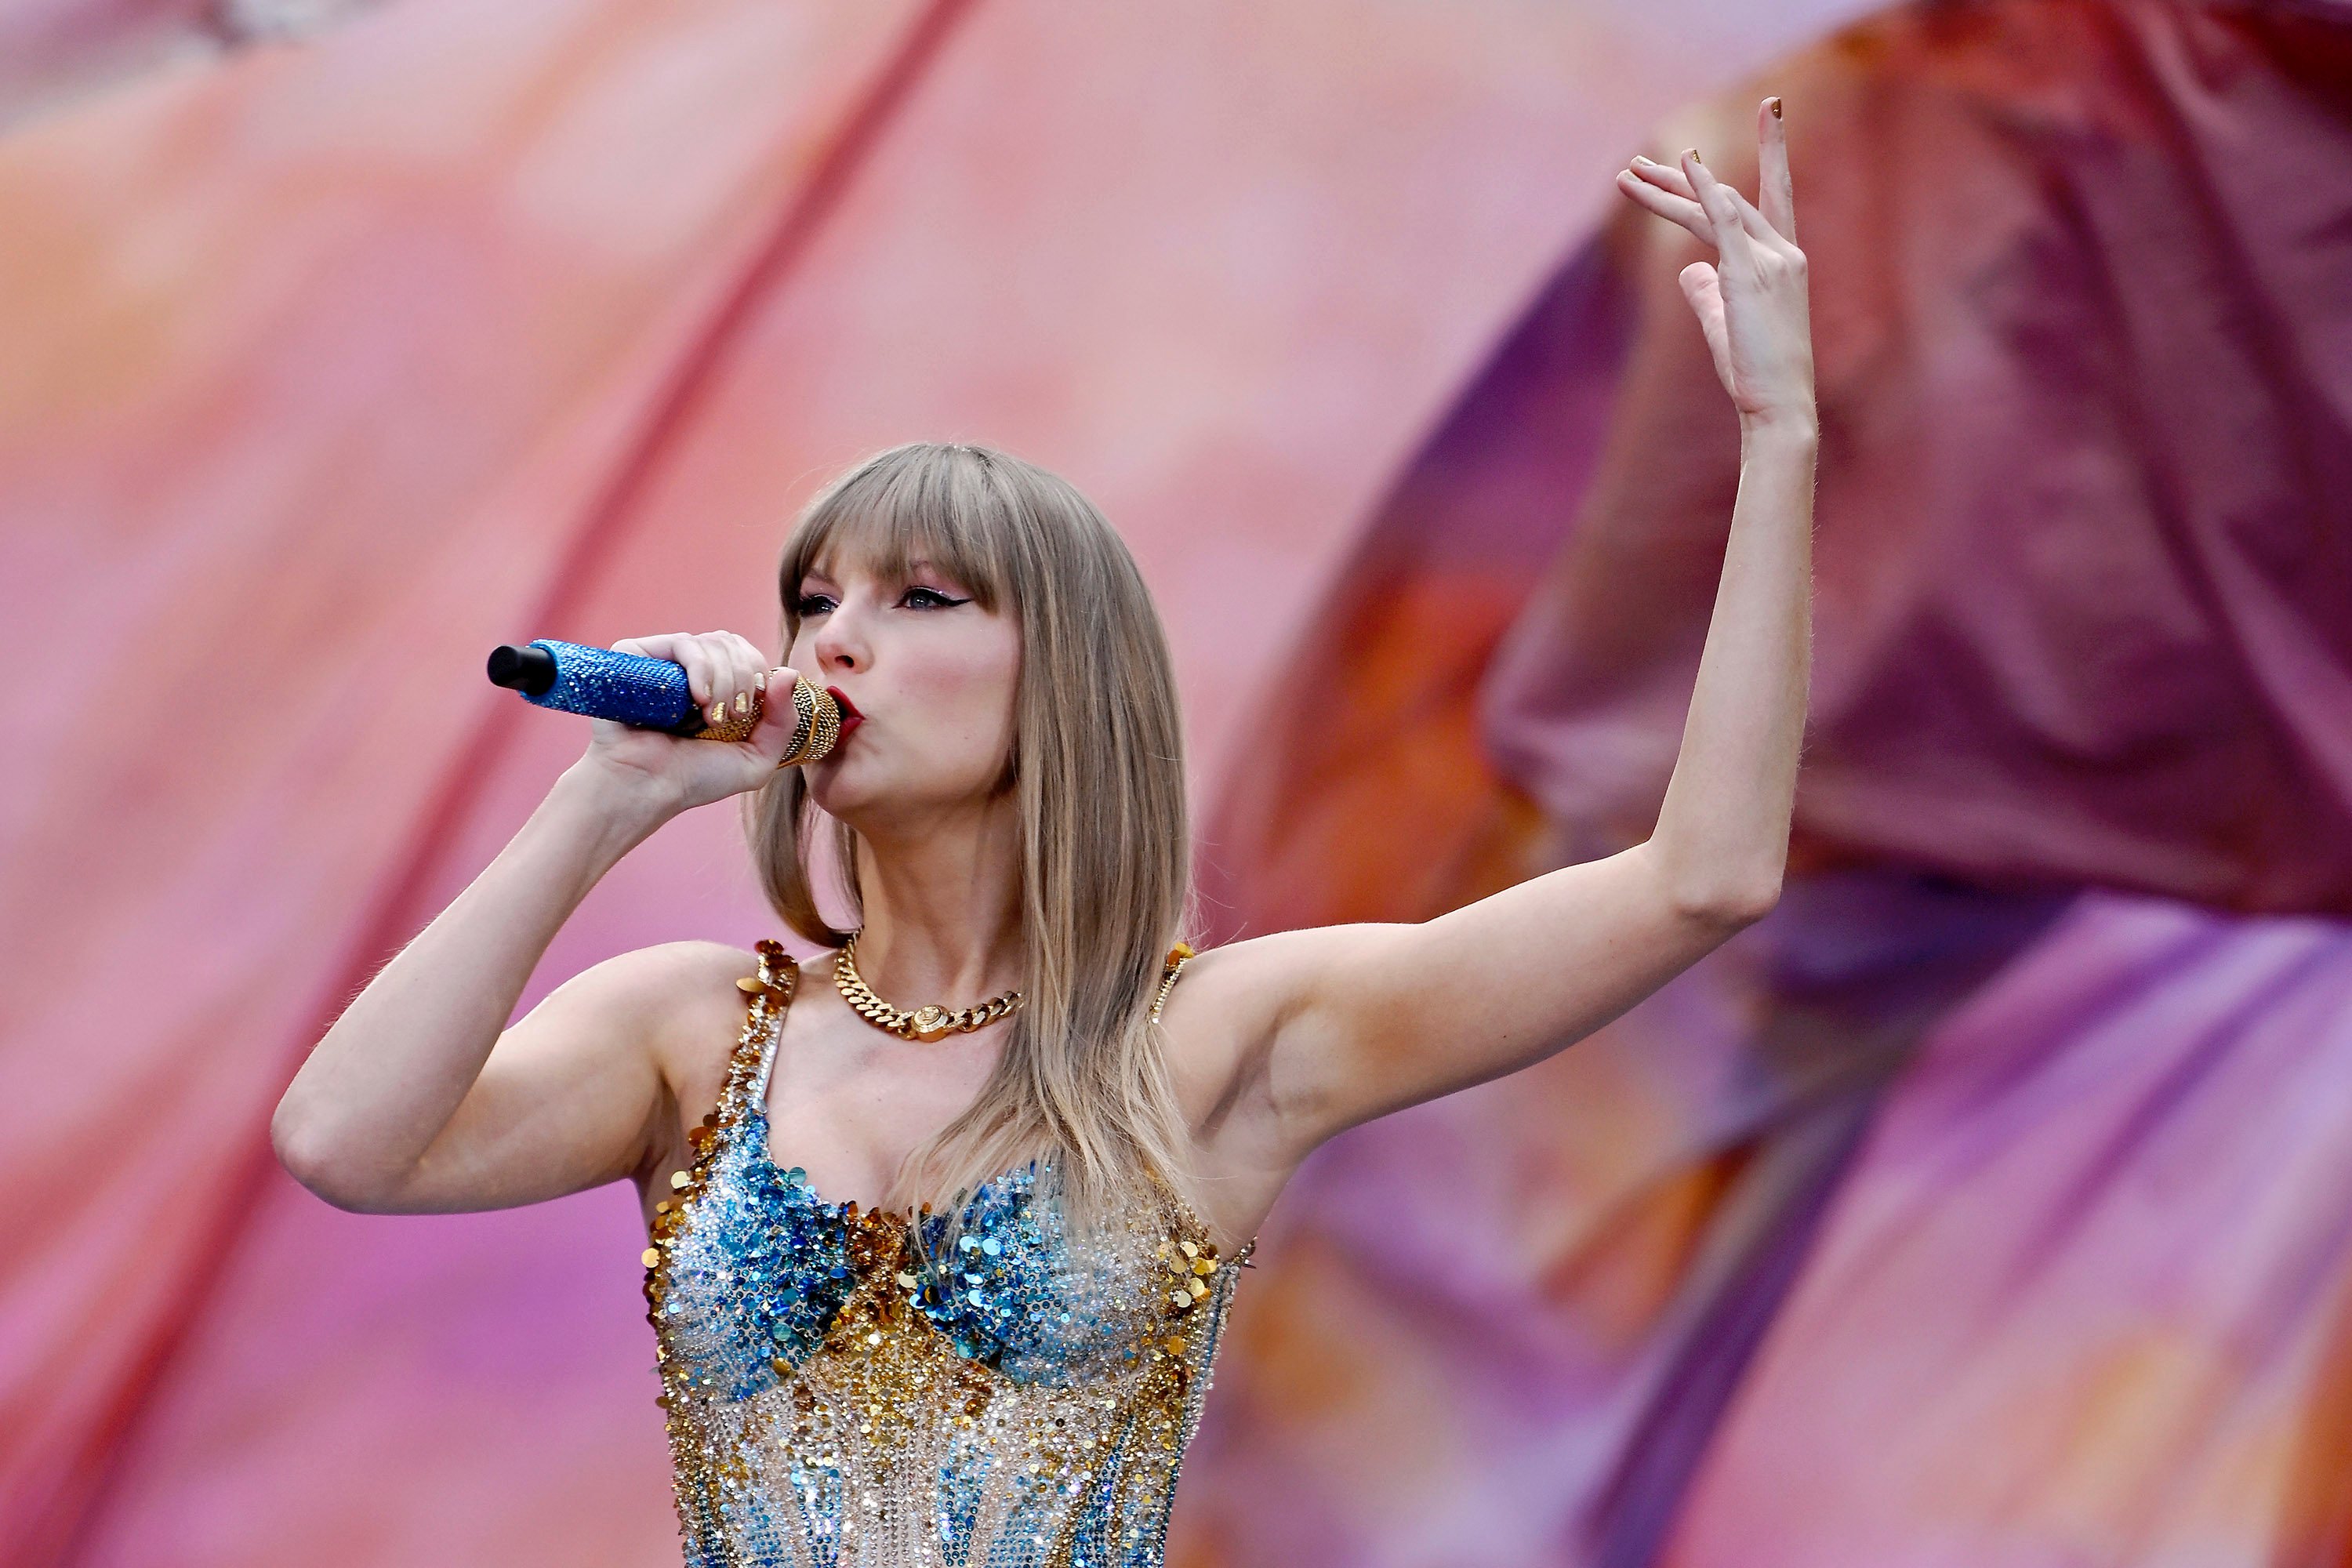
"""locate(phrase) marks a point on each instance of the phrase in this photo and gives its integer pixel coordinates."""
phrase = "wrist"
(625, 808)
(1794, 427)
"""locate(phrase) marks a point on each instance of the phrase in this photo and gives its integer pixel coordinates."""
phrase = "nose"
(841, 642)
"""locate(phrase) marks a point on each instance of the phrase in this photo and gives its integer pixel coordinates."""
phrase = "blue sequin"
(837, 1394)
(632, 688)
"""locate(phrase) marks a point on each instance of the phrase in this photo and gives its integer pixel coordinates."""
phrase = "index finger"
(1775, 195)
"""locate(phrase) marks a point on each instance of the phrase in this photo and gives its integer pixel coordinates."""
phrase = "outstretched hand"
(1750, 302)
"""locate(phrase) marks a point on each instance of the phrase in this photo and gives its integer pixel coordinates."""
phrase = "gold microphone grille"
(819, 727)
(816, 728)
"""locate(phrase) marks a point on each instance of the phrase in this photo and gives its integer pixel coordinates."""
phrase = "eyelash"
(805, 608)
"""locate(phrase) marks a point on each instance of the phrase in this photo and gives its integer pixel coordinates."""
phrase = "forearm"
(385, 1078)
(1723, 829)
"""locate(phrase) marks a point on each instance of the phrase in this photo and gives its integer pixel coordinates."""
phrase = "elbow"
(300, 1153)
(310, 1162)
(1746, 905)
(1719, 888)
(1729, 904)
(287, 1141)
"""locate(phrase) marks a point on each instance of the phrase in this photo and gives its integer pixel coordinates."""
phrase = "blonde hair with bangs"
(1083, 1085)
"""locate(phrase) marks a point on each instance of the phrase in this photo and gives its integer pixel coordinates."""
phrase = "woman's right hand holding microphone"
(726, 675)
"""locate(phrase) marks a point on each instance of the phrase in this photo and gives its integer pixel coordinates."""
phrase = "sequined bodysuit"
(834, 1400)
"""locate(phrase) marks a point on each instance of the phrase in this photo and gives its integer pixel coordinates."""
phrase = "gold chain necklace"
(931, 1022)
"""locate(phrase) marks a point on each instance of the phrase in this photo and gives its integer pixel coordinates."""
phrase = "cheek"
(967, 687)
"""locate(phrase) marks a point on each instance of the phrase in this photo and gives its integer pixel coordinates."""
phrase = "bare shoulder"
(1233, 1002)
(1261, 980)
(683, 1007)
(692, 1007)
(1232, 1007)
(676, 1002)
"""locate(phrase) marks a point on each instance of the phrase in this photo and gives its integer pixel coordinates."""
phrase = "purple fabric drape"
(1956, 1214)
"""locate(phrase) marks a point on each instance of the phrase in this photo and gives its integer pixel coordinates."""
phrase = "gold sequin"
(884, 1415)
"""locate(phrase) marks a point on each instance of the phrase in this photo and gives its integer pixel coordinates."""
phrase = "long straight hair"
(1083, 1087)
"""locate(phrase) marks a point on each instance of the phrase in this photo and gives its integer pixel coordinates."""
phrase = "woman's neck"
(942, 920)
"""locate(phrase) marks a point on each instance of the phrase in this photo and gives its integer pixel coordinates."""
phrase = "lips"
(850, 717)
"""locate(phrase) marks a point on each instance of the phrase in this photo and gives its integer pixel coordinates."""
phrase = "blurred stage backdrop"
(1989, 1204)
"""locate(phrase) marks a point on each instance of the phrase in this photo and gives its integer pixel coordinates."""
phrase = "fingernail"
(742, 702)
(1776, 109)
(1639, 159)
(719, 712)
(760, 679)
(1692, 153)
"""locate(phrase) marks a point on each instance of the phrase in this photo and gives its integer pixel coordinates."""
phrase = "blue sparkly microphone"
(651, 694)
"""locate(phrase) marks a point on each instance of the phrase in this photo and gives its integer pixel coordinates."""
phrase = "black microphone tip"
(530, 670)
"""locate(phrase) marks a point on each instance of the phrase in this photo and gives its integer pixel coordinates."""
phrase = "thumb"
(772, 735)
(1699, 283)
(1703, 289)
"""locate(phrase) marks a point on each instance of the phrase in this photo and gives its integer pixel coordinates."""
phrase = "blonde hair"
(1083, 1085)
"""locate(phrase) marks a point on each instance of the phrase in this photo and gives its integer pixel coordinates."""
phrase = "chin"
(833, 794)
(845, 788)
(863, 798)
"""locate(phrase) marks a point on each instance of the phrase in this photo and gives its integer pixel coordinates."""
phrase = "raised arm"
(1357, 1020)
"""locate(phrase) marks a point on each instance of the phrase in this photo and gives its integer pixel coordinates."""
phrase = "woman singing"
(944, 1219)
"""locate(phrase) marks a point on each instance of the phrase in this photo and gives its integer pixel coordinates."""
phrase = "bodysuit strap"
(770, 997)
(1168, 973)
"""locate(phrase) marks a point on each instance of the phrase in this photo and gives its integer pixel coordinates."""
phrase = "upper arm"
(1355, 1021)
(578, 1091)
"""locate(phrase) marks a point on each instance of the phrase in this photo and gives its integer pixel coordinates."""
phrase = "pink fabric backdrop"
(334, 365)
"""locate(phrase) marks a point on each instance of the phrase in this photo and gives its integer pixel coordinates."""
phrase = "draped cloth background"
(1987, 1204)
(1955, 1214)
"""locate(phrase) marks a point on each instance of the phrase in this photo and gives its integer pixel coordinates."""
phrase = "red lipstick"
(850, 717)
